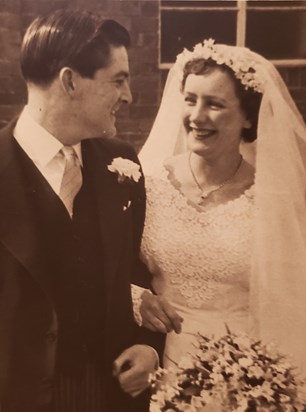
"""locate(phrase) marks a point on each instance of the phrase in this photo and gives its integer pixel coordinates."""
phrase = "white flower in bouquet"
(231, 374)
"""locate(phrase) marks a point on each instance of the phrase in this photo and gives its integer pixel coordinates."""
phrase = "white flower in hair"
(236, 58)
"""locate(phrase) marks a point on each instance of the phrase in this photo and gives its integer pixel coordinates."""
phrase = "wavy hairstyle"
(68, 38)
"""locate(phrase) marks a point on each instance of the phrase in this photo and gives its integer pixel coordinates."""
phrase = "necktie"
(72, 178)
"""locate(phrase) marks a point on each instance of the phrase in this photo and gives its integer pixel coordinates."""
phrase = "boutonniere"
(126, 169)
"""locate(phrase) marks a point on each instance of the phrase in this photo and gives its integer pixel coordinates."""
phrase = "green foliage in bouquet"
(232, 374)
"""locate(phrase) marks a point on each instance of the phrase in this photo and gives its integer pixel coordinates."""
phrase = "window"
(275, 29)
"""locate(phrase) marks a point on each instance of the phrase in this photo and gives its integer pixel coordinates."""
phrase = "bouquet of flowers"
(233, 373)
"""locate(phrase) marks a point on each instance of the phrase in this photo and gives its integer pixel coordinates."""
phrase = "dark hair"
(73, 38)
(249, 99)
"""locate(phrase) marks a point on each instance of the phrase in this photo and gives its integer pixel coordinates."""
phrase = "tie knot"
(72, 177)
(68, 152)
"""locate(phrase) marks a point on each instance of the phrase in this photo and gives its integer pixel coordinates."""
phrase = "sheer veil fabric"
(278, 281)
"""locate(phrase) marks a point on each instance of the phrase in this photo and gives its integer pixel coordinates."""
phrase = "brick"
(10, 6)
(301, 105)
(124, 123)
(124, 7)
(145, 124)
(303, 76)
(283, 72)
(139, 68)
(12, 83)
(9, 68)
(148, 40)
(149, 8)
(144, 82)
(145, 24)
(9, 52)
(146, 54)
(9, 112)
(139, 125)
(38, 7)
(92, 5)
(11, 37)
(294, 77)
(150, 97)
(141, 112)
(12, 98)
(9, 21)
(298, 94)
(135, 139)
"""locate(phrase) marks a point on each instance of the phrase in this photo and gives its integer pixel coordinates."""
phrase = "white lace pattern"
(196, 252)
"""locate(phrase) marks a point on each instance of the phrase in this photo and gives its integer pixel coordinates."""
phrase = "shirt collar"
(40, 145)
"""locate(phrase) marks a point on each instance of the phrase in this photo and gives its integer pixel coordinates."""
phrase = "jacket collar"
(21, 228)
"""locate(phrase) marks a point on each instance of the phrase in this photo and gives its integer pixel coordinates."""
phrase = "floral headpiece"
(236, 58)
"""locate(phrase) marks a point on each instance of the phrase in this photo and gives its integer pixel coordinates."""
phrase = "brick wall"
(140, 17)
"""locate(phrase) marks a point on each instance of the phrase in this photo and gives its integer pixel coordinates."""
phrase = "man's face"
(101, 97)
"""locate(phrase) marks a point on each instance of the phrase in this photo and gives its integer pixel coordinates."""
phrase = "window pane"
(181, 29)
(277, 34)
(198, 3)
(275, 3)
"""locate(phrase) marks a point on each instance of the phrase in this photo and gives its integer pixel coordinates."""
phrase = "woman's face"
(212, 114)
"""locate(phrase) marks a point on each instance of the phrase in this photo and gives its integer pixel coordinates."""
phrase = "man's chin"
(110, 133)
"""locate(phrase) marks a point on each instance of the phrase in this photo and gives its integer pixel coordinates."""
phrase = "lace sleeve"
(136, 292)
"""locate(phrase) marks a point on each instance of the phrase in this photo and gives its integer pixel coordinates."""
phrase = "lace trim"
(170, 176)
(137, 292)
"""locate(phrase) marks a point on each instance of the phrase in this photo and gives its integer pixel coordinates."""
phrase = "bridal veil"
(278, 267)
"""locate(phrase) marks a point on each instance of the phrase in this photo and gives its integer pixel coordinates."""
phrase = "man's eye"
(119, 82)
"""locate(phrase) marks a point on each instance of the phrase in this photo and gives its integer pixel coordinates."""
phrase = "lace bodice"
(196, 256)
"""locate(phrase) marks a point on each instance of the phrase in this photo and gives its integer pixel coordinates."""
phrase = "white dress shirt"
(43, 149)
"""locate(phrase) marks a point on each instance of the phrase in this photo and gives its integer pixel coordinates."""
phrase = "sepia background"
(160, 29)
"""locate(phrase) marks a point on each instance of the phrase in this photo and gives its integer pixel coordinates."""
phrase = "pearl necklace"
(206, 193)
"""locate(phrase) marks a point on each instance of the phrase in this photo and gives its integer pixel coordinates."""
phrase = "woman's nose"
(198, 113)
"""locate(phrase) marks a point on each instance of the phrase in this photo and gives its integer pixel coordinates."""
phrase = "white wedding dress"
(200, 261)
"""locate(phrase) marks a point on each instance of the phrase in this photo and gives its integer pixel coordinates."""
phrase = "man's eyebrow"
(122, 73)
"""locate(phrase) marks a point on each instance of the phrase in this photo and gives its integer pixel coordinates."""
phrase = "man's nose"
(126, 96)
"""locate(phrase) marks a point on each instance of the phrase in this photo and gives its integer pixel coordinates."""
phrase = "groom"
(70, 230)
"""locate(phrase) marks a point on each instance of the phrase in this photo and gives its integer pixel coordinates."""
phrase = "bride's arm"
(154, 312)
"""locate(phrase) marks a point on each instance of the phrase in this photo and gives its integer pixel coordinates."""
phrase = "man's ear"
(67, 78)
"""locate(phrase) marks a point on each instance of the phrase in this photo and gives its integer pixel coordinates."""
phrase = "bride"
(225, 239)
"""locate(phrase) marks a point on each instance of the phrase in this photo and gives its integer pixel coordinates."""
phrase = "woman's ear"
(67, 79)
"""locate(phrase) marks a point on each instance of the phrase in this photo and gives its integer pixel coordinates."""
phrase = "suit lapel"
(28, 208)
(29, 233)
(110, 198)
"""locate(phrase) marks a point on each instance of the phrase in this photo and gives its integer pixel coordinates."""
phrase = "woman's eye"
(189, 100)
(215, 105)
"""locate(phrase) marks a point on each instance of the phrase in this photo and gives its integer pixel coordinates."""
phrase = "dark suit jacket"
(28, 315)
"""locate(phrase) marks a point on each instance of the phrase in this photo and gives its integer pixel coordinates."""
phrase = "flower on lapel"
(125, 169)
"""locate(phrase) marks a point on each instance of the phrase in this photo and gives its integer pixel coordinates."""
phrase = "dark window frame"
(241, 7)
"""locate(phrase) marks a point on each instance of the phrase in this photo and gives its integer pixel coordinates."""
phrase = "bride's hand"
(158, 314)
